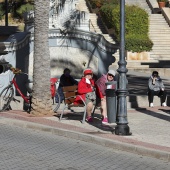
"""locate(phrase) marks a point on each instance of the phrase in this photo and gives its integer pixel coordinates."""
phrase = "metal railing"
(91, 25)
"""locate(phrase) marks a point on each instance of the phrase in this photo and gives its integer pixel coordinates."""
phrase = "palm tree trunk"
(41, 97)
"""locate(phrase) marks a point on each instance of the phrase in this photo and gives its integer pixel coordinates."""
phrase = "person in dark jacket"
(156, 88)
(65, 80)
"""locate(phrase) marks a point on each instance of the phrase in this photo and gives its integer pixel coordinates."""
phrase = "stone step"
(159, 33)
(160, 43)
(163, 29)
(133, 101)
(161, 53)
(160, 47)
(141, 62)
(158, 27)
(160, 58)
(138, 67)
(153, 54)
(157, 22)
(167, 59)
(161, 36)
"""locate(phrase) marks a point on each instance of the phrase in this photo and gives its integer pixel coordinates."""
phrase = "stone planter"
(138, 56)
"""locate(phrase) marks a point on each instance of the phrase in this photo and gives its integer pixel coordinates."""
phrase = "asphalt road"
(25, 149)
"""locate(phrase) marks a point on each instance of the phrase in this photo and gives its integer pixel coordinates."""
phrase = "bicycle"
(55, 94)
(7, 94)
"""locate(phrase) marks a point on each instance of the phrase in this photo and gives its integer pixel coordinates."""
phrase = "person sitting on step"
(156, 88)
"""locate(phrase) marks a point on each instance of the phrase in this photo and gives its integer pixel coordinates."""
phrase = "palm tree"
(41, 97)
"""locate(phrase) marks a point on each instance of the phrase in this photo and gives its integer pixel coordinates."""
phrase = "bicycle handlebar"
(15, 70)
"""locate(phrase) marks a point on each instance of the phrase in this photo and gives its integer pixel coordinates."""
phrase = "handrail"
(98, 39)
(90, 23)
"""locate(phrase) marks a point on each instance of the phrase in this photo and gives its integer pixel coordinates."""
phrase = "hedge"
(138, 43)
(136, 26)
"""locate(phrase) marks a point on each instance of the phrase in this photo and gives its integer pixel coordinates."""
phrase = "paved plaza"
(149, 126)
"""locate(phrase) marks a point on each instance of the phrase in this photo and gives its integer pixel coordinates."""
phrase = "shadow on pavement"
(166, 111)
(154, 114)
(97, 122)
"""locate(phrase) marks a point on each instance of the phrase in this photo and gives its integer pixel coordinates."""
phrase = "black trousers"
(161, 94)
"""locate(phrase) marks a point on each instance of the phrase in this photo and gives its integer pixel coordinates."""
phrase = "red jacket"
(83, 88)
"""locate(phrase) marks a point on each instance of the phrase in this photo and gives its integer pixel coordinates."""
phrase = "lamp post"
(122, 127)
(6, 12)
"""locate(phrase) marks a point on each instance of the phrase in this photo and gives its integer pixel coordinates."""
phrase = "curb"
(136, 149)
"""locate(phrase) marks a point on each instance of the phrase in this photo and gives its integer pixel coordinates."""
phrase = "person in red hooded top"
(101, 88)
(86, 86)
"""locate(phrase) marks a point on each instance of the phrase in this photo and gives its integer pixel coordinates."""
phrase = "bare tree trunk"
(41, 100)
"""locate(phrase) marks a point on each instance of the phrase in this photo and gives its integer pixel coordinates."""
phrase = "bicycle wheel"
(57, 104)
(5, 98)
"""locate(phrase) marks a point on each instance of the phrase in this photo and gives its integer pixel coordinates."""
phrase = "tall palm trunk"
(41, 100)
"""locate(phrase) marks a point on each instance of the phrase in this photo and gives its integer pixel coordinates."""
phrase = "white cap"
(112, 72)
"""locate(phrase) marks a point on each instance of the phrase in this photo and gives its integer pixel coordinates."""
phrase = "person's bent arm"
(83, 89)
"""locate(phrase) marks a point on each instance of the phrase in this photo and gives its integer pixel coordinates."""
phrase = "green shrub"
(99, 3)
(136, 20)
(138, 43)
(24, 8)
(136, 26)
(113, 2)
(96, 3)
(1, 11)
(107, 15)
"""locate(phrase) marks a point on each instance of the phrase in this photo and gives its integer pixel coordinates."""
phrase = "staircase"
(95, 23)
(159, 33)
(158, 28)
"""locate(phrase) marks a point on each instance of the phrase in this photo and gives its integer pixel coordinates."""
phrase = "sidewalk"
(150, 129)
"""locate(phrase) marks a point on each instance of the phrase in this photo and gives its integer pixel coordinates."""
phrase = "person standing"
(100, 90)
(156, 88)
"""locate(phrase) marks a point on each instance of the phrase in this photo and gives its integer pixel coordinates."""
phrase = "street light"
(122, 127)
(8, 7)
(6, 12)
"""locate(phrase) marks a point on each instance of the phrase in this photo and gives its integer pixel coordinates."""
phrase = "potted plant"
(161, 3)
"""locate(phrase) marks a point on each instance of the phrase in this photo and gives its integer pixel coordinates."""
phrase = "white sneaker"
(151, 104)
(164, 104)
